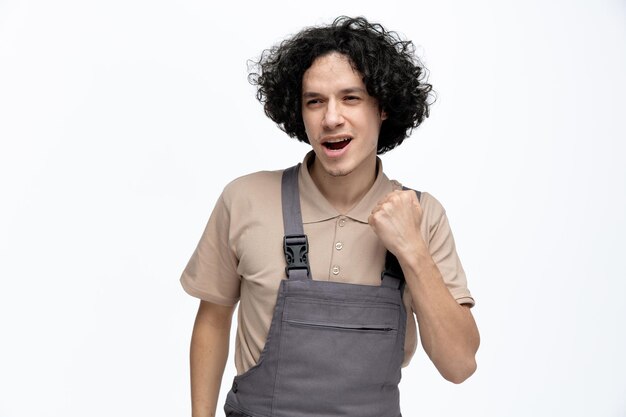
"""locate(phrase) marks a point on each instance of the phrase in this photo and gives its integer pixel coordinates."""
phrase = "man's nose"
(333, 116)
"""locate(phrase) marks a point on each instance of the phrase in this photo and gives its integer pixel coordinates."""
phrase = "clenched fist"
(396, 221)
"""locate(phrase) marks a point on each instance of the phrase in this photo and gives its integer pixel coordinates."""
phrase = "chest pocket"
(346, 344)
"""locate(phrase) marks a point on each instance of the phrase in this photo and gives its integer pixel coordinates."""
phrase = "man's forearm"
(448, 330)
(208, 355)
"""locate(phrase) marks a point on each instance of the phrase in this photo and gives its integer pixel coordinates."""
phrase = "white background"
(121, 121)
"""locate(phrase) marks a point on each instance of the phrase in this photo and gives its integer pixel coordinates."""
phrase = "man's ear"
(383, 115)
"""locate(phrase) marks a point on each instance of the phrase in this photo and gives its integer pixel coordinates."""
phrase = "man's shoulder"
(259, 178)
(253, 187)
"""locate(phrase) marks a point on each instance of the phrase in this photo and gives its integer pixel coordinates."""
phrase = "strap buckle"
(296, 249)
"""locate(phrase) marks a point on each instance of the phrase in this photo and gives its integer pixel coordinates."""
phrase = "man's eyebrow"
(353, 90)
(309, 94)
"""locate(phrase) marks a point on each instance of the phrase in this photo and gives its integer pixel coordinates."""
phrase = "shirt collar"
(315, 207)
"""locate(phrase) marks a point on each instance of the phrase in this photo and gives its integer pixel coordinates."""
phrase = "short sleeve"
(443, 251)
(211, 273)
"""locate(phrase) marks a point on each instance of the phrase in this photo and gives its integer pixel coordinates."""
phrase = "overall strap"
(392, 276)
(295, 243)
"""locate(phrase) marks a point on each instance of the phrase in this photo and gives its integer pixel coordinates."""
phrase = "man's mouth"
(338, 144)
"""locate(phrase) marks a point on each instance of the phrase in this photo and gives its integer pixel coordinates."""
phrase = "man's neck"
(345, 191)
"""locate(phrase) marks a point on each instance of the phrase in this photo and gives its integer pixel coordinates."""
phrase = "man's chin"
(338, 173)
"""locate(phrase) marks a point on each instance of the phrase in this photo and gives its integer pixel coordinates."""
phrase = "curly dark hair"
(391, 73)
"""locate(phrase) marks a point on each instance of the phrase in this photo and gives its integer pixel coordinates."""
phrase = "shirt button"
(335, 270)
(342, 222)
(338, 245)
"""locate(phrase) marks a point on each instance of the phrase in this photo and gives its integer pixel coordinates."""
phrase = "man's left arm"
(447, 330)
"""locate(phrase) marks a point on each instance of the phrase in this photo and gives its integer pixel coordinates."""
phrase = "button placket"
(338, 245)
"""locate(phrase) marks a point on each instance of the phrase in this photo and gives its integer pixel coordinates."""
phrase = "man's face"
(341, 119)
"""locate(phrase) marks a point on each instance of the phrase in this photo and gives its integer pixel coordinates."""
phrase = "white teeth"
(337, 141)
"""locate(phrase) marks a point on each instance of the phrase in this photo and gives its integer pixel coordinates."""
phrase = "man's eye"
(352, 98)
(313, 101)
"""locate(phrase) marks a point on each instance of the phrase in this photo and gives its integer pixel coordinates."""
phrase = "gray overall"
(333, 349)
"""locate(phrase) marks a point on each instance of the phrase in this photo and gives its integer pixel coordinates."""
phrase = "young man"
(320, 332)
